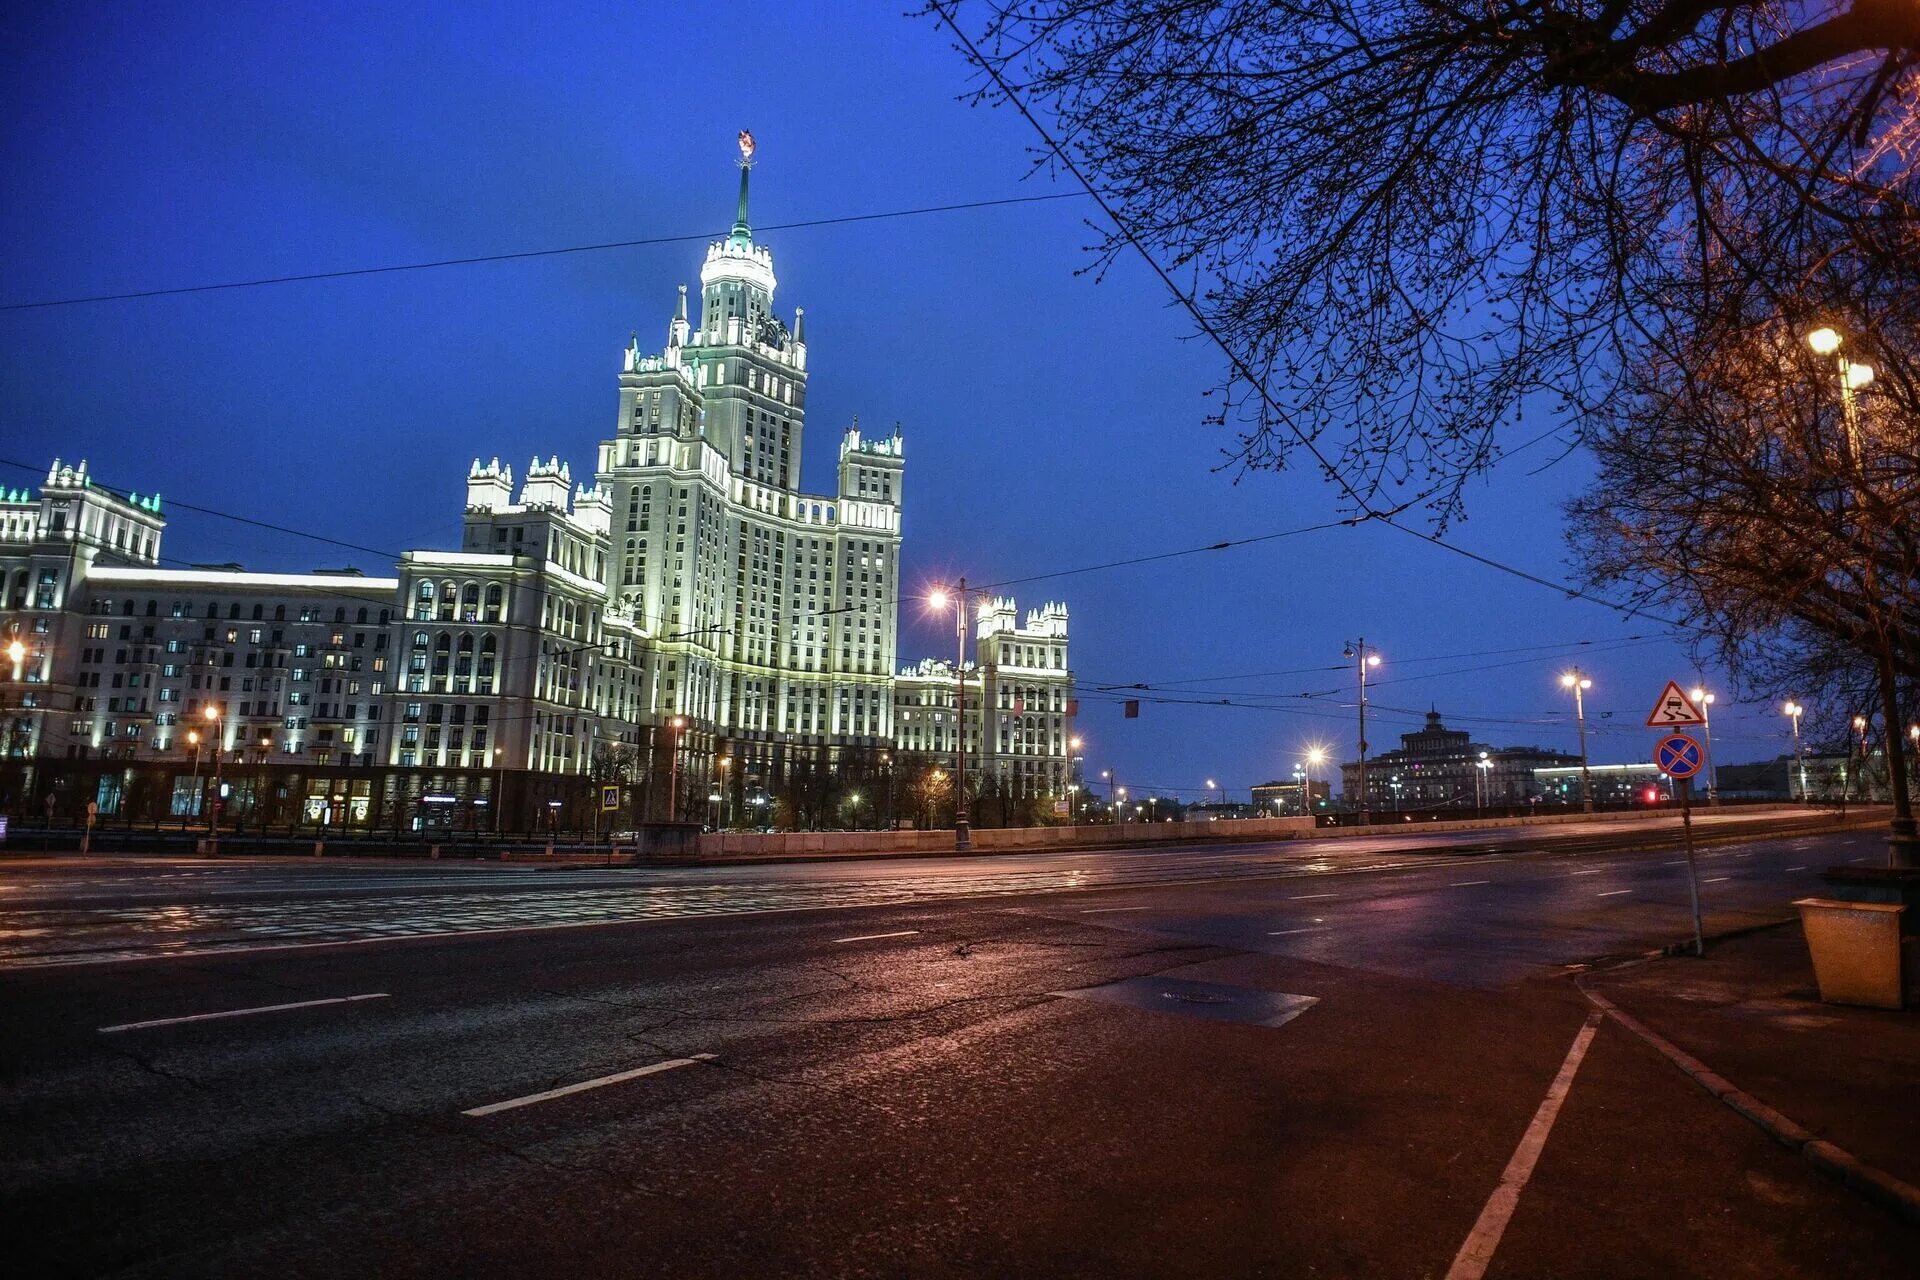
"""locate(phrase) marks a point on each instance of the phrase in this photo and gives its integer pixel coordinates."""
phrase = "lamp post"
(962, 835)
(213, 824)
(1073, 787)
(674, 726)
(1107, 775)
(1794, 711)
(726, 795)
(1860, 727)
(499, 786)
(1481, 790)
(193, 736)
(1362, 660)
(1579, 683)
(1903, 843)
(1704, 700)
(1315, 756)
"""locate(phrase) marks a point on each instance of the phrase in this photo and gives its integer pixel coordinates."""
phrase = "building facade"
(1020, 708)
(1437, 767)
(692, 621)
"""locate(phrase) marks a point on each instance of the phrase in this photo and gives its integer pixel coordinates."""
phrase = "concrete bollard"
(433, 851)
(319, 848)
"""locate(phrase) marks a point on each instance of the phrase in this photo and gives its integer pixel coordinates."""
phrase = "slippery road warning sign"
(1675, 710)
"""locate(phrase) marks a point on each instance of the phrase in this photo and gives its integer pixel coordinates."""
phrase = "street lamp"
(1073, 787)
(1794, 711)
(193, 737)
(1483, 792)
(1315, 756)
(726, 795)
(1579, 683)
(499, 785)
(1362, 660)
(1860, 727)
(212, 714)
(1704, 700)
(938, 598)
(1113, 792)
(1903, 846)
(674, 726)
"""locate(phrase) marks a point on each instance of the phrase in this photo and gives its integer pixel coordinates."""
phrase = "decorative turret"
(593, 508)
(547, 484)
(489, 486)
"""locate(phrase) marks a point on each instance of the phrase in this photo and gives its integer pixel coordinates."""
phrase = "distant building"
(1437, 767)
(1277, 799)
(1612, 784)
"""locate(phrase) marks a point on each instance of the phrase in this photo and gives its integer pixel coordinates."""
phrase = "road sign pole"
(1693, 872)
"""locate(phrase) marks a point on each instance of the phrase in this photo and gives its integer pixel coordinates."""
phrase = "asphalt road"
(1312, 1060)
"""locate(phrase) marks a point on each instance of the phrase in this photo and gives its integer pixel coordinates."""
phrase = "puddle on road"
(1210, 1000)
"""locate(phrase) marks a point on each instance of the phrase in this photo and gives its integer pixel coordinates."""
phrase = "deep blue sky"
(1051, 421)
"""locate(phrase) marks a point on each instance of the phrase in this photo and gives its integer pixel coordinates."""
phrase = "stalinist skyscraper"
(771, 613)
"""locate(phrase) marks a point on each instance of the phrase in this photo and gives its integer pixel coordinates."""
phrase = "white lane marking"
(564, 1090)
(1461, 884)
(1856, 859)
(1596, 871)
(1681, 862)
(1281, 933)
(1477, 1252)
(870, 937)
(1301, 897)
(1614, 893)
(1094, 911)
(1715, 879)
(1801, 867)
(241, 1013)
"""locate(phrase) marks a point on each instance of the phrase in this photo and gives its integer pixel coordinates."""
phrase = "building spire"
(742, 231)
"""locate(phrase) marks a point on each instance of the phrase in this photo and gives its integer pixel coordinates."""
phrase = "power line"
(1206, 326)
(520, 255)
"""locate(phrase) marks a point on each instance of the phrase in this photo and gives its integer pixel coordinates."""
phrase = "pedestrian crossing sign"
(609, 799)
(1674, 710)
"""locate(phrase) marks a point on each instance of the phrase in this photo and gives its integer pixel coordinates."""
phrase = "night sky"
(1051, 421)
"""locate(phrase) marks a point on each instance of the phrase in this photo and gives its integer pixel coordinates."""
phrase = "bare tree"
(1409, 221)
(1770, 494)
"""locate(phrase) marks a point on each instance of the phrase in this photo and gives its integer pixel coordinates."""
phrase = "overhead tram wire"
(1245, 371)
(524, 254)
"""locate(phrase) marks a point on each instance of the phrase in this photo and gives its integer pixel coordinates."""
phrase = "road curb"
(1885, 1190)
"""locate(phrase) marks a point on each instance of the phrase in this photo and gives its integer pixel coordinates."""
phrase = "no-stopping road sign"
(1678, 756)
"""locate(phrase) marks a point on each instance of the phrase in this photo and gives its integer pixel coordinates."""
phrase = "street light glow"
(212, 712)
(1792, 708)
(17, 652)
(1824, 341)
(938, 598)
(1569, 680)
(1857, 376)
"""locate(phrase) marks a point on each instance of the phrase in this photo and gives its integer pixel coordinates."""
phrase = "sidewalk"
(1750, 1012)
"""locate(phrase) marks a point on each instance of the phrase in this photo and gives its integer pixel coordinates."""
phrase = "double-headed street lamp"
(1793, 711)
(1577, 681)
(1363, 658)
(1704, 700)
(1903, 845)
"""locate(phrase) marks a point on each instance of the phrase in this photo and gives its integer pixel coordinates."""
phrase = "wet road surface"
(1238, 1061)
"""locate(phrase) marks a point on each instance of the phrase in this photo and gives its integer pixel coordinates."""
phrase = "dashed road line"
(1614, 893)
(1318, 928)
(874, 937)
(1095, 911)
(1715, 879)
(242, 1013)
(1302, 897)
(617, 1078)
(1461, 884)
